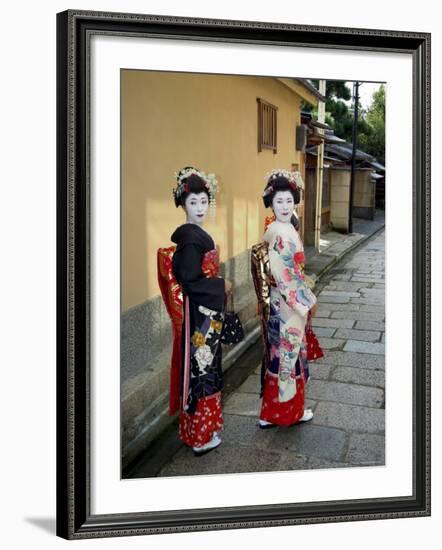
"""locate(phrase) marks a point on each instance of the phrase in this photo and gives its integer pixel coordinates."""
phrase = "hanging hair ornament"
(294, 179)
(212, 206)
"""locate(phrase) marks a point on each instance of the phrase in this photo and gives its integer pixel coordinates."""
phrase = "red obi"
(210, 263)
(170, 289)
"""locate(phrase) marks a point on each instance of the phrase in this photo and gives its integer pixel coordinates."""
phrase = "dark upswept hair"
(191, 184)
(280, 183)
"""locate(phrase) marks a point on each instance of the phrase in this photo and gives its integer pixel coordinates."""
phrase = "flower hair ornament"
(210, 183)
(294, 178)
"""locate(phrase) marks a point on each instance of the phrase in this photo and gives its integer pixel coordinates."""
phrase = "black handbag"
(232, 331)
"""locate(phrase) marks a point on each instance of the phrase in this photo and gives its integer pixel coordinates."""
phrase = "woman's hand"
(228, 286)
(314, 309)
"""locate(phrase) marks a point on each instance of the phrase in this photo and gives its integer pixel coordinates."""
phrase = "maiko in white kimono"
(290, 302)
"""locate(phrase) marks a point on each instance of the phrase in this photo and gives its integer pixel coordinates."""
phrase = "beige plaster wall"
(171, 120)
(339, 198)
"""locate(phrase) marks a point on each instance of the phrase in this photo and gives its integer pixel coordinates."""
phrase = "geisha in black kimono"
(196, 377)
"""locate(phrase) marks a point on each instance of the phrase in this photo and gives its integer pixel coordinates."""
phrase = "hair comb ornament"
(294, 179)
(210, 183)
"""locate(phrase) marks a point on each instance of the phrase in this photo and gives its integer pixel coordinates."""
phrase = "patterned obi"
(170, 288)
(262, 277)
(210, 263)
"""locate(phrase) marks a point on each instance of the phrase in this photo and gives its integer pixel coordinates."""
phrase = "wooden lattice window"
(267, 125)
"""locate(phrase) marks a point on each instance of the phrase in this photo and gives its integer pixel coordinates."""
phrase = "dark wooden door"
(309, 205)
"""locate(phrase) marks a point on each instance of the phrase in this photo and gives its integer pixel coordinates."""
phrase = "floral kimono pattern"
(290, 301)
(195, 266)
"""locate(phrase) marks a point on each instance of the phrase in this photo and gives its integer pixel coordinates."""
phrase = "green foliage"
(373, 140)
(371, 121)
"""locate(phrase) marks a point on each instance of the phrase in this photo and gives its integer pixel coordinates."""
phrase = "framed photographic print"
(171, 417)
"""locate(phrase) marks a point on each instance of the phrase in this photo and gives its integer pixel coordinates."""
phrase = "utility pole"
(319, 170)
(353, 156)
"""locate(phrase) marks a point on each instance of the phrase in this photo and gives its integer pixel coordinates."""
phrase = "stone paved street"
(346, 389)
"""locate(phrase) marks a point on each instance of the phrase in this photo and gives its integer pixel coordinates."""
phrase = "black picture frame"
(74, 518)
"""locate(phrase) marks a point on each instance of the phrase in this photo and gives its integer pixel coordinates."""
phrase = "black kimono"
(195, 265)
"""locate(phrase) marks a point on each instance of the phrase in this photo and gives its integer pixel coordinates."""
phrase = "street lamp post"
(320, 168)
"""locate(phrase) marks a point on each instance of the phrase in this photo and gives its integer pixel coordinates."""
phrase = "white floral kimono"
(290, 301)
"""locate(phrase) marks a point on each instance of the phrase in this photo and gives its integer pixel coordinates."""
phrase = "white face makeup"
(196, 206)
(283, 205)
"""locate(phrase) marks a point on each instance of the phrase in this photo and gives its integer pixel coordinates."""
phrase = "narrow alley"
(345, 391)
